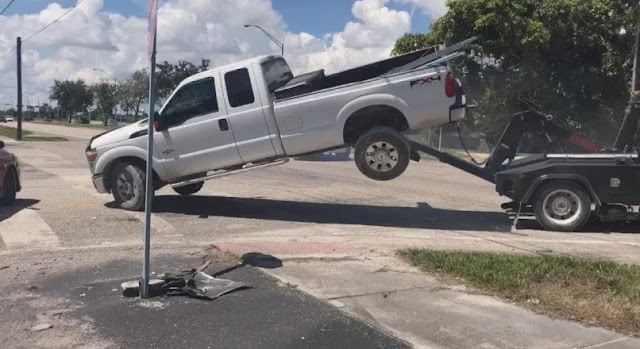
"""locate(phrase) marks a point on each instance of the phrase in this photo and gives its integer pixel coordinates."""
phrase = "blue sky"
(317, 35)
(300, 15)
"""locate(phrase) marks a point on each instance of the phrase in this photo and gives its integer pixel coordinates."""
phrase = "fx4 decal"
(425, 81)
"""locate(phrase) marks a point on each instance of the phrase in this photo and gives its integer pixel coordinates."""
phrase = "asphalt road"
(302, 208)
(299, 210)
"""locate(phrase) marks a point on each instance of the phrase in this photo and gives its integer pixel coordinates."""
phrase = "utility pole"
(19, 70)
(115, 81)
(273, 38)
(636, 62)
(626, 135)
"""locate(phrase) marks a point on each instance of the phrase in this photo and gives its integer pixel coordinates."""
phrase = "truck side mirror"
(160, 122)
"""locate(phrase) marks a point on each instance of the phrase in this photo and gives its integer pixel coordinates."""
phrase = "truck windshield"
(277, 73)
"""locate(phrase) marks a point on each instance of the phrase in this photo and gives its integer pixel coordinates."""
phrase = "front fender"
(370, 101)
(113, 154)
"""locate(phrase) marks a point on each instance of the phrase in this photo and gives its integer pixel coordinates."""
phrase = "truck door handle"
(224, 125)
(168, 151)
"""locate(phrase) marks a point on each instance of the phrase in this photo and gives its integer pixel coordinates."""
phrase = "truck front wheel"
(382, 154)
(128, 186)
(562, 206)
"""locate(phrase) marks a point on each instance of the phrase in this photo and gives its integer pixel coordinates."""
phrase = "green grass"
(596, 293)
(9, 132)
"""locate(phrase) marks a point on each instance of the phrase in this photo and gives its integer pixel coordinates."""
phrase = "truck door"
(246, 115)
(199, 137)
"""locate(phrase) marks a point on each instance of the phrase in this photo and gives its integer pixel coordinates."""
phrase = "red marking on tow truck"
(584, 143)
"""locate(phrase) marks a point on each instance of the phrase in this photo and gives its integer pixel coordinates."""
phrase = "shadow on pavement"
(421, 217)
(593, 226)
(254, 259)
(19, 205)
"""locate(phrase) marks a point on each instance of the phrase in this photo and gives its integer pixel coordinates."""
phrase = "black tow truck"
(562, 189)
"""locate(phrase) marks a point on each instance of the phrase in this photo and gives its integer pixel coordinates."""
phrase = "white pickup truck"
(255, 113)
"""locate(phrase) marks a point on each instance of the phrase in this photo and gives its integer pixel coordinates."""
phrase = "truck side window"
(239, 88)
(194, 99)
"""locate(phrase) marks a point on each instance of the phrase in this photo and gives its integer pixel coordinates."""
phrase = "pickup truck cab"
(255, 112)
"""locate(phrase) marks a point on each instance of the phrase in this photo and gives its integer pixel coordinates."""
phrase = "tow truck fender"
(563, 177)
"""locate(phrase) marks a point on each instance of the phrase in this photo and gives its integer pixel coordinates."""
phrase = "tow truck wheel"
(128, 186)
(562, 206)
(189, 189)
(382, 154)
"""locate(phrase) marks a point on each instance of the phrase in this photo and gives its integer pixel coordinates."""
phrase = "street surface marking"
(27, 229)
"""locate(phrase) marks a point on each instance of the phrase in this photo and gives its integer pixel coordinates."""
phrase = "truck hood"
(137, 129)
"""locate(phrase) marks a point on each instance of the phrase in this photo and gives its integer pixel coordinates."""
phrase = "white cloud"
(431, 8)
(188, 29)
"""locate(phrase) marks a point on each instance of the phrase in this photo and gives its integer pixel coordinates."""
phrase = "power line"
(44, 28)
(6, 7)
(54, 21)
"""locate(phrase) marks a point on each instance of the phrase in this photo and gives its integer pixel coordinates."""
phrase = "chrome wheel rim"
(563, 207)
(382, 157)
(125, 186)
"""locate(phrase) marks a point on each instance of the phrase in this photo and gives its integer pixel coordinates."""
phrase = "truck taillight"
(450, 85)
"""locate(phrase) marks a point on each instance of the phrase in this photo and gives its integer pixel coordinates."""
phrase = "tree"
(567, 55)
(134, 92)
(411, 42)
(45, 110)
(169, 76)
(72, 96)
(105, 96)
(31, 111)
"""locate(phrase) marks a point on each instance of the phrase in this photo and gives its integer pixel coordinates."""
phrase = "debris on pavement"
(41, 327)
(4, 267)
(194, 283)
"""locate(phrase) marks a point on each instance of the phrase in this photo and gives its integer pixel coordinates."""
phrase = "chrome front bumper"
(98, 183)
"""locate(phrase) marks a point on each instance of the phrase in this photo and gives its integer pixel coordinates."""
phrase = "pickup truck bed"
(317, 81)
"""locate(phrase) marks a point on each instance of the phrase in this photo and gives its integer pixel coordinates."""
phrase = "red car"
(9, 176)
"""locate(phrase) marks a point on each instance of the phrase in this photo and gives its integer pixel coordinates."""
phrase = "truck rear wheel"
(128, 186)
(562, 206)
(382, 154)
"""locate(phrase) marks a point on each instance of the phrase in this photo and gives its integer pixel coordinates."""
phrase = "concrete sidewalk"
(429, 314)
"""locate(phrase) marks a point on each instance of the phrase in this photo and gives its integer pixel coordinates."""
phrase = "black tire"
(10, 188)
(128, 183)
(382, 154)
(189, 189)
(562, 206)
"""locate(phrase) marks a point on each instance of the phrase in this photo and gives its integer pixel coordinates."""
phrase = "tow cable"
(464, 146)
